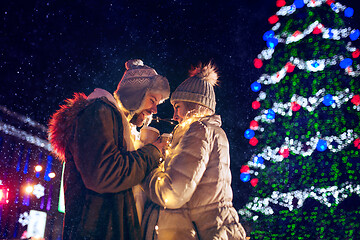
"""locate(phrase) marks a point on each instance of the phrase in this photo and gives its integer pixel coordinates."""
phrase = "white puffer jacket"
(193, 188)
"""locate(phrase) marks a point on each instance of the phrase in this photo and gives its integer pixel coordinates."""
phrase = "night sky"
(51, 49)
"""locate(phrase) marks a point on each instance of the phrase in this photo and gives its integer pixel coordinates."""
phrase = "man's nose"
(154, 109)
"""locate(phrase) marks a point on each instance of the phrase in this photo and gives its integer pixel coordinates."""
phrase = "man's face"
(179, 111)
(151, 100)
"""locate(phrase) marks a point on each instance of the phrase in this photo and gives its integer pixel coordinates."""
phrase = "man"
(93, 136)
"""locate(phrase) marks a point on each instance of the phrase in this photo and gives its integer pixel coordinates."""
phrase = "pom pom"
(133, 63)
(207, 73)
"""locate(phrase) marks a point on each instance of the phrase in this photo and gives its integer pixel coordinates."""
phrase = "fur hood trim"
(62, 121)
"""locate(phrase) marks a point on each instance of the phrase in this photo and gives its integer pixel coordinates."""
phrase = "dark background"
(51, 49)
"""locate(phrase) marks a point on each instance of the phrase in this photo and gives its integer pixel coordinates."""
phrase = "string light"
(286, 200)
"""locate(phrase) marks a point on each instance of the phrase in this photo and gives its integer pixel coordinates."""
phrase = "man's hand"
(161, 145)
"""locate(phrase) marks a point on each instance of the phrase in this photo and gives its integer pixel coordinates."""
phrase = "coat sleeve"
(175, 185)
(104, 166)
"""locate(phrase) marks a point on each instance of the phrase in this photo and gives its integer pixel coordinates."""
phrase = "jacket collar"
(99, 93)
(213, 119)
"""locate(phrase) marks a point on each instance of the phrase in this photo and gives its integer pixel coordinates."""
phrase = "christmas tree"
(305, 169)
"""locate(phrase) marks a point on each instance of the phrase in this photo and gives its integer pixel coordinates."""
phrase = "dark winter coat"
(100, 172)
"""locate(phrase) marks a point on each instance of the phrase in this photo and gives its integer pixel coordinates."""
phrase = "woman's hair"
(196, 110)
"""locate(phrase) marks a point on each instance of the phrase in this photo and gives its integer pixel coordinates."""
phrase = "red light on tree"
(329, 2)
(280, 3)
(289, 67)
(244, 169)
(284, 152)
(4, 195)
(295, 106)
(258, 63)
(255, 104)
(356, 53)
(357, 143)
(317, 30)
(253, 141)
(273, 19)
(254, 125)
(356, 100)
(254, 182)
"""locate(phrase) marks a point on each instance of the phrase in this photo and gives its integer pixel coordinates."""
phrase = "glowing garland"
(288, 10)
(309, 104)
(287, 199)
(313, 65)
(297, 147)
(328, 33)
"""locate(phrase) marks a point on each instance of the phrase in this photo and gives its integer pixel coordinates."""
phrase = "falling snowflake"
(24, 218)
(38, 190)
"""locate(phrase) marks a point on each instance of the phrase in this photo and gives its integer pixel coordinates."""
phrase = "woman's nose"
(175, 117)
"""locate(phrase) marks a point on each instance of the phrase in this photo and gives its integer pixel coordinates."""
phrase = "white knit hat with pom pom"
(139, 79)
(199, 87)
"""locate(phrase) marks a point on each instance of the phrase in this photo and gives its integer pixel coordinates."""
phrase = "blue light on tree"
(315, 64)
(328, 100)
(299, 3)
(258, 160)
(354, 34)
(255, 86)
(270, 114)
(321, 145)
(272, 42)
(346, 63)
(333, 7)
(249, 134)
(245, 177)
(349, 12)
(269, 34)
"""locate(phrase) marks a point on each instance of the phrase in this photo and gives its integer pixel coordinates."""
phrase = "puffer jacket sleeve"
(104, 166)
(174, 186)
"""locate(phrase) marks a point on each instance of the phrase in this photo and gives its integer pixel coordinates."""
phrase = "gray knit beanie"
(199, 87)
(139, 79)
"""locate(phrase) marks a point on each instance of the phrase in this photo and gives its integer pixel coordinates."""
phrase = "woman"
(192, 189)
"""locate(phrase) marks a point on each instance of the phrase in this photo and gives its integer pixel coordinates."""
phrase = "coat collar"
(213, 119)
(99, 92)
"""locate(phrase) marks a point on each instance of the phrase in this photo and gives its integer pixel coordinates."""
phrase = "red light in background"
(4, 195)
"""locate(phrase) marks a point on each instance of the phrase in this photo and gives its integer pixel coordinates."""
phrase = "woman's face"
(179, 111)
